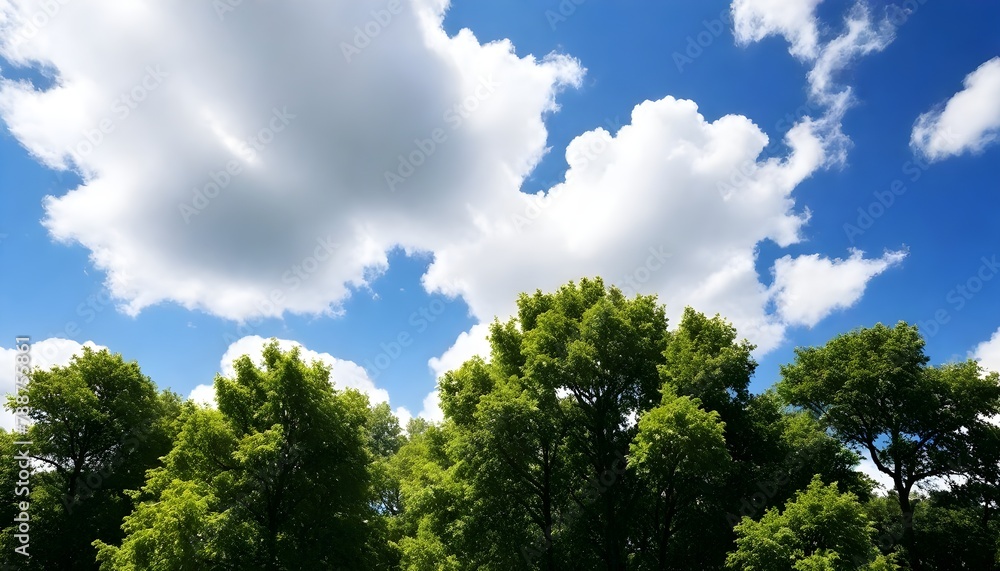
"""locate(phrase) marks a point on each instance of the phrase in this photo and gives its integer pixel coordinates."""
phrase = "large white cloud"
(672, 204)
(969, 121)
(45, 354)
(312, 140)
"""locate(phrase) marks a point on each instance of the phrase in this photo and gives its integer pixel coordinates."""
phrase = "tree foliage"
(593, 436)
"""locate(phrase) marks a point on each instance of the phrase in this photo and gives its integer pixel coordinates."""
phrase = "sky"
(376, 181)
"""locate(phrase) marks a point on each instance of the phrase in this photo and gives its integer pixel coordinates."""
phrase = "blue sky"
(867, 94)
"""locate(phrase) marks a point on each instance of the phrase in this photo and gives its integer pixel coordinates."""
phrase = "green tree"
(542, 431)
(276, 478)
(873, 387)
(98, 425)
(821, 529)
(680, 454)
(431, 524)
(772, 453)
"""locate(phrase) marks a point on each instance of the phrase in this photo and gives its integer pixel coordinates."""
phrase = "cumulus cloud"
(988, 353)
(808, 288)
(633, 204)
(45, 354)
(343, 374)
(632, 208)
(967, 122)
(242, 174)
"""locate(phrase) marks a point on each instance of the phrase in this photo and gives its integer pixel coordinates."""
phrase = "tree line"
(593, 438)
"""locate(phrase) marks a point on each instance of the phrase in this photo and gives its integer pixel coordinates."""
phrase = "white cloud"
(988, 353)
(322, 172)
(469, 344)
(634, 209)
(861, 36)
(45, 354)
(634, 204)
(808, 288)
(754, 20)
(969, 121)
(343, 374)
(798, 24)
(204, 395)
(404, 416)
(432, 407)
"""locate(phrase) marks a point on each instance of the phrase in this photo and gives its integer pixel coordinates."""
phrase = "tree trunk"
(906, 519)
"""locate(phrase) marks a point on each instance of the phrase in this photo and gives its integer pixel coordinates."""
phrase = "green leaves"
(592, 438)
(99, 424)
(269, 477)
(678, 441)
(873, 387)
(822, 529)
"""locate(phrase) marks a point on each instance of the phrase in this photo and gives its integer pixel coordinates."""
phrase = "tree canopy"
(592, 436)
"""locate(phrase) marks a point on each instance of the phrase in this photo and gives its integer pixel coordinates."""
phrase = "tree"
(275, 478)
(821, 529)
(769, 449)
(98, 425)
(680, 454)
(542, 431)
(430, 526)
(873, 387)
